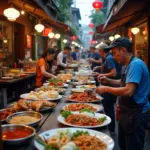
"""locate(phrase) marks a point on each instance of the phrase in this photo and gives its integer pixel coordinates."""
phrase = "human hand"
(101, 89)
(91, 59)
(54, 77)
(102, 78)
(95, 74)
(95, 68)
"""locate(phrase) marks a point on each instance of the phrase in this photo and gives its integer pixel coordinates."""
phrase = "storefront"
(124, 16)
(140, 42)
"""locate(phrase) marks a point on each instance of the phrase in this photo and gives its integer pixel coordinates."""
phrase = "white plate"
(98, 107)
(26, 95)
(84, 87)
(7, 78)
(73, 65)
(78, 90)
(105, 138)
(47, 84)
(98, 96)
(61, 119)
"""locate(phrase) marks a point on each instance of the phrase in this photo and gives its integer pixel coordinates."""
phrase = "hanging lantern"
(51, 35)
(135, 30)
(57, 36)
(117, 36)
(97, 4)
(74, 38)
(11, 14)
(65, 40)
(111, 38)
(91, 25)
(90, 32)
(39, 27)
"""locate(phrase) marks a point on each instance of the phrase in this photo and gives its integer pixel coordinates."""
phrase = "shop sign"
(29, 41)
(46, 31)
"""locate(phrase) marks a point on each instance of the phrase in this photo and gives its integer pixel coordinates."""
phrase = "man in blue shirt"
(76, 53)
(108, 69)
(95, 58)
(133, 95)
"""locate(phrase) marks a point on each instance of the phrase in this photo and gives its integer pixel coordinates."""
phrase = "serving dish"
(12, 135)
(76, 116)
(70, 132)
(33, 114)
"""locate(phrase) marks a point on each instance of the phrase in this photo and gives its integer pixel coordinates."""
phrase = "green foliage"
(97, 17)
(64, 14)
(74, 31)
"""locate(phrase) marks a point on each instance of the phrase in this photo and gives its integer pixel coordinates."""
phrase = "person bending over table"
(43, 67)
(62, 58)
(133, 90)
(108, 68)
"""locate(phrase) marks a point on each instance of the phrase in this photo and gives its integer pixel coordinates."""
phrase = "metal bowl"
(19, 141)
(26, 113)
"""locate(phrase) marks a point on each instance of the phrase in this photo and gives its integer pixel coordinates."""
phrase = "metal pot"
(5, 70)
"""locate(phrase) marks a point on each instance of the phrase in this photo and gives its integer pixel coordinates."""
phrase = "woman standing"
(43, 67)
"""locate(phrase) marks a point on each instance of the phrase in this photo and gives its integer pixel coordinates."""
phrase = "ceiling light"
(22, 12)
(135, 30)
(39, 27)
(51, 35)
(65, 41)
(11, 14)
(117, 36)
(57, 36)
(111, 38)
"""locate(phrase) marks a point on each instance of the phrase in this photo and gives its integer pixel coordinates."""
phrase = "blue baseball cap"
(120, 42)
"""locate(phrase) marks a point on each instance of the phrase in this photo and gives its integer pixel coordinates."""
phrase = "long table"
(49, 122)
(21, 83)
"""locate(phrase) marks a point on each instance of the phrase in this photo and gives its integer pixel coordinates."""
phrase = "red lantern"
(74, 38)
(90, 32)
(97, 4)
(91, 25)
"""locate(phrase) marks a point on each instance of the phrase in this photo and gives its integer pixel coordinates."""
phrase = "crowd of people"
(117, 73)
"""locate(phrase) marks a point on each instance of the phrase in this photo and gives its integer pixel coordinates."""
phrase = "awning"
(99, 28)
(125, 11)
(32, 8)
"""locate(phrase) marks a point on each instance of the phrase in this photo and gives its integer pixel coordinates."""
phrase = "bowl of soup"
(14, 135)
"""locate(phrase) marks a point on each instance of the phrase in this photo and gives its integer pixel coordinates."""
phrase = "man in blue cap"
(133, 90)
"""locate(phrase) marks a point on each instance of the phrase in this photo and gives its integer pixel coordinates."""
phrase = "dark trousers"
(134, 140)
(108, 104)
(95, 78)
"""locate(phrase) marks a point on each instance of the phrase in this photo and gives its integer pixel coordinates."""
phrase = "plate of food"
(26, 105)
(30, 118)
(83, 119)
(85, 97)
(4, 113)
(82, 106)
(51, 88)
(56, 82)
(49, 95)
(86, 86)
(73, 139)
(7, 78)
(61, 85)
(77, 90)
